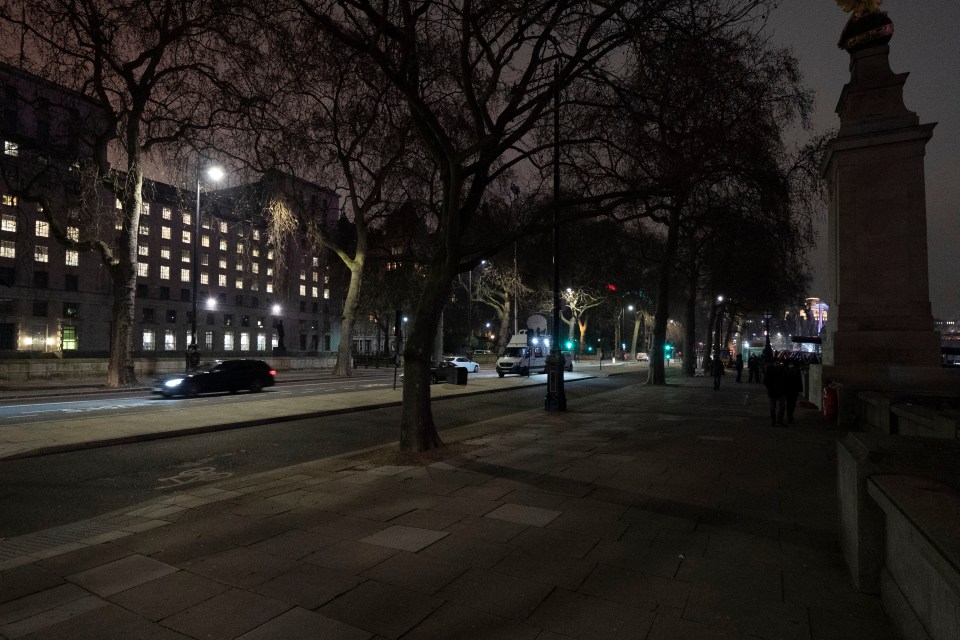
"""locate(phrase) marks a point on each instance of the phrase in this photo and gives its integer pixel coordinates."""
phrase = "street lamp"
(767, 349)
(215, 173)
(556, 398)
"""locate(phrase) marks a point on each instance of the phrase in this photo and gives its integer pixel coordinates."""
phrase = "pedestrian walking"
(192, 357)
(775, 379)
(738, 365)
(753, 367)
(793, 385)
(716, 369)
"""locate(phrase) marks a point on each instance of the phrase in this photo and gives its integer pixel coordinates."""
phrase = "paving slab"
(165, 596)
(120, 575)
(301, 624)
(382, 609)
(225, 616)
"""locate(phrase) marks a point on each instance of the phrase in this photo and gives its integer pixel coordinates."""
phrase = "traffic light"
(668, 349)
(569, 345)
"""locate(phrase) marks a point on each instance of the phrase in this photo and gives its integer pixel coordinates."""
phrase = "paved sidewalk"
(646, 513)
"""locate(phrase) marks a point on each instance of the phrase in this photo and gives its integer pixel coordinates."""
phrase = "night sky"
(926, 43)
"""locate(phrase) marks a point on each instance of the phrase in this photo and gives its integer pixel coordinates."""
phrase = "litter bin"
(457, 375)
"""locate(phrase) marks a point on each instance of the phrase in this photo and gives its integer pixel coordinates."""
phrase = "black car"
(439, 371)
(209, 377)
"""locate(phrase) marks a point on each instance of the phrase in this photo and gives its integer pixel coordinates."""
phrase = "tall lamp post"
(716, 352)
(216, 174)
(556, 398)
(767, 349)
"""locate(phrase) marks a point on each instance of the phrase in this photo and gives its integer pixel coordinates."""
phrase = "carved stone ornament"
(867, 27)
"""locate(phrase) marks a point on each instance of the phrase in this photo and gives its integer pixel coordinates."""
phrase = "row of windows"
(41, 253)
(230, 341)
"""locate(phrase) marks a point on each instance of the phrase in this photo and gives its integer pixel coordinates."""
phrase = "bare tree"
(146, 63)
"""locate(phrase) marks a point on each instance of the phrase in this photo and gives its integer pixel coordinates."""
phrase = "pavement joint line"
(38, 545)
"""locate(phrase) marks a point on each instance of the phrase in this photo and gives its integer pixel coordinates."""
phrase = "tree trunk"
(504, 329)
(690, 328)
(636, 335)
(348, 320)
(417, 429)
(657, 374)
(121, 371)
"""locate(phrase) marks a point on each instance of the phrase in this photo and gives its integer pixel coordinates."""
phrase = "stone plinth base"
(860, 456)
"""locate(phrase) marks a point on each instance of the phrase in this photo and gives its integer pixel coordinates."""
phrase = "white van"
(523, 355)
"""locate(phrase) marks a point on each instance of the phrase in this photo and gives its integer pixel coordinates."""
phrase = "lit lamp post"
(556, 398)
(214, 173)
(716, 353)
(767, 349)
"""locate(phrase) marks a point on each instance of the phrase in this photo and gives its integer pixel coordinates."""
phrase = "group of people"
(783, 381)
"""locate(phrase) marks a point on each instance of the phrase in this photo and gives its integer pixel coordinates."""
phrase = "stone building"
(255, 281)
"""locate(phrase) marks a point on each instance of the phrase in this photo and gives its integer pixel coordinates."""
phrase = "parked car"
(643, 357)
(567, 360)
(438, 371)
(467, 363)
(210, 377)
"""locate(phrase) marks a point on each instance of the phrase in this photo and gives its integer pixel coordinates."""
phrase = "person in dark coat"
(753, 365)
(738, 365)
(793, 382)
(193, 357)
(716, 370)
(775, 379)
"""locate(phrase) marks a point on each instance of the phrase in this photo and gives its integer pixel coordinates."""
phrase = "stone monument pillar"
(880, 335)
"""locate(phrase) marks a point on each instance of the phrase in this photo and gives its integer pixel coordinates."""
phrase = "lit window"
(205, 241)
(316, 277)
(222, 280)
(10, 201)
(239, 248)
(144, 208)
(164, 272)
(186, 237)
(270, 254)
(223, 245)
(40, 254)
(165, 253)
(303, 274)
(73, 233)
(204, 278)
(167, 213)
(228, 341)
(7, 249)
(269, 287)
(43, 229)
(165, 233)
(239, 266)
(326, 294)
(187, 218)
(144, 230)
(223, 227)
(269, 271)
(256, 252)
(169, 340)
(303, 290)
(239, 283)
(69, 338)
(223, 263)
(316, 261)
(143, 269)
(255, 267)
(9, 222)
(314, 292)
(326, 279)
(149, 340)
(205, 259)
(256, 235)
(184, 275)
(73, 258)
(254, 285)
(185, 256)
(118, 204)
(11, 148)
(244, 341)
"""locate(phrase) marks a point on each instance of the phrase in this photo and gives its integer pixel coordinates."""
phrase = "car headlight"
(170, 384)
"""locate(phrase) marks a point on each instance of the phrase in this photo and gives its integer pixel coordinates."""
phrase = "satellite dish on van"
(537, 322)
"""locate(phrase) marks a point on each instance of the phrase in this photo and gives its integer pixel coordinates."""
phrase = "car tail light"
(273, 372)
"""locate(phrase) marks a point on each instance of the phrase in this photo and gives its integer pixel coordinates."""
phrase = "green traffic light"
(569, 345)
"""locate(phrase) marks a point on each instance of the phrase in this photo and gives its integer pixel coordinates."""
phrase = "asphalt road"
(42, 492)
